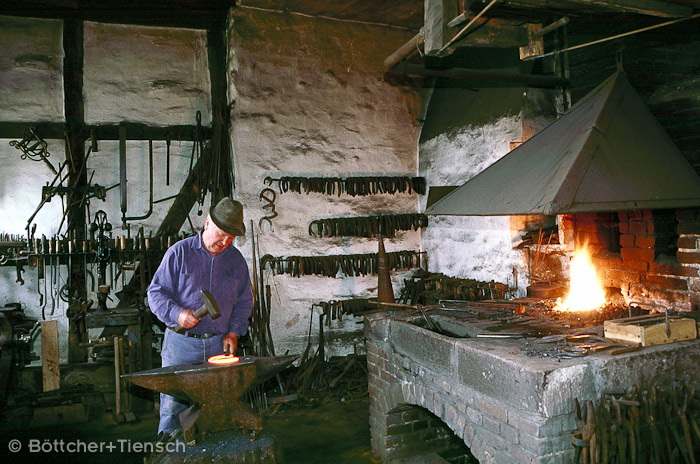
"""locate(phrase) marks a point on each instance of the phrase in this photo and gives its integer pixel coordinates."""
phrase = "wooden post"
(50, 367)
(73, 36)
(118, 353)
(436, 30)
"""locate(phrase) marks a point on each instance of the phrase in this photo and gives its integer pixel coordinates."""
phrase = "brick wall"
(641, 258)
(414, 410)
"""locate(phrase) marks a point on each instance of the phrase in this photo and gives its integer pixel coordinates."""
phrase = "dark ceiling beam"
(487, 33)
(534, 80)
(136, 131)
(646, 7)
(191, 14)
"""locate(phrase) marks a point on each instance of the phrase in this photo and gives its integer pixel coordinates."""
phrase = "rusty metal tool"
(34, 147)
(217, 391)
(209, 306)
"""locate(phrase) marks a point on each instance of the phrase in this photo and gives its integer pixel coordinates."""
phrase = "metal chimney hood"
(607, 153)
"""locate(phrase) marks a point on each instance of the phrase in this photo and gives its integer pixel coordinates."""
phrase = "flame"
(585, 290)
(223, 359)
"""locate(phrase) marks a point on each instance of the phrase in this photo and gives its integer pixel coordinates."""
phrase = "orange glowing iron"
(223, 359)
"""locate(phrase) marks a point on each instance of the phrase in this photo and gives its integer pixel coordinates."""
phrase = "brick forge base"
(484, 397)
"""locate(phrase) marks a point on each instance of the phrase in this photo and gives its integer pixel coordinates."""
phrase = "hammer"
(209, 307)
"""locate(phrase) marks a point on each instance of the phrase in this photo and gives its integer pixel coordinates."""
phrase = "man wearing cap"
(206, 261)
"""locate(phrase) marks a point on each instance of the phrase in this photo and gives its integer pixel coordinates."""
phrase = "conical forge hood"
(607, 153)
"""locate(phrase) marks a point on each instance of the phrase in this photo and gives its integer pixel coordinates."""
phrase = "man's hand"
(230, 343)
(186, 319)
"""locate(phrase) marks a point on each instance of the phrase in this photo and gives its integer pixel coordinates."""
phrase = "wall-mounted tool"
(348, 265)
(268, 195)
(367, 226)
(123, 181)
(34, 148)
(353, 186)
(167, 162)
(44, 200)
(102, 227)
(197, 153)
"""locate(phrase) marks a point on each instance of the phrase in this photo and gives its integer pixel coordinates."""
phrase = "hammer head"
(209, 306)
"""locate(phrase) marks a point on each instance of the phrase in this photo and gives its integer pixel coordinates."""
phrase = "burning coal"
(585, 290)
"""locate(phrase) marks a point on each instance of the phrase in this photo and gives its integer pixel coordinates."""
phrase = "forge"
(499, 379)
(216, 388)
(503, 380)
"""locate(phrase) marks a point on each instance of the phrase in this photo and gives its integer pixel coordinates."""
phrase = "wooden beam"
(405, 50)
(486, 33)
(195, 14)
(646, 7)
(74, 136)
(657, 8)
(186, 198)
(483, 75)
(50, 367)
(222, 172)
(136, 131)
(435, 30)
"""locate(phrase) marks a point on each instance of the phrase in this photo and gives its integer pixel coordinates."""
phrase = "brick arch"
(411, 421)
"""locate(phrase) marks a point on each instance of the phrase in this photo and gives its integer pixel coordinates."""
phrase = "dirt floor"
(328, 432)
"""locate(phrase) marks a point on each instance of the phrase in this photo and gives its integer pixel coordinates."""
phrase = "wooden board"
(50, 369)
(650, 330)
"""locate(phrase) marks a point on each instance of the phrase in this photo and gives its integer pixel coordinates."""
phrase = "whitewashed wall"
(452, 151)
(31, 89)
(310, 100)
(148, 75)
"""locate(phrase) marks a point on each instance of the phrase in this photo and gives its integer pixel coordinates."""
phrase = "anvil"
(215, 391)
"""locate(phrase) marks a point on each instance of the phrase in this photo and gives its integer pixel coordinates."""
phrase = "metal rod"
(150, 189)
(624, 34)
(122, 172)
(552, 27)
(469, 24)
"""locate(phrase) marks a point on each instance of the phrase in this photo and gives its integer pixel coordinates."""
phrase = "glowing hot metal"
(223, 359)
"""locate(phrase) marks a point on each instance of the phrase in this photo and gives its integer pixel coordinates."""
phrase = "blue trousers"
(181, 349)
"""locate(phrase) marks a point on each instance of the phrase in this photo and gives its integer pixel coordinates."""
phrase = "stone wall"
(652, 259)
(507, 407)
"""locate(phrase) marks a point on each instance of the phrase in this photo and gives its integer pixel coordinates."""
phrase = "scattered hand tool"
(209, 307)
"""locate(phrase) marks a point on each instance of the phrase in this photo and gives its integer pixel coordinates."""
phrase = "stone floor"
(330, 432)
